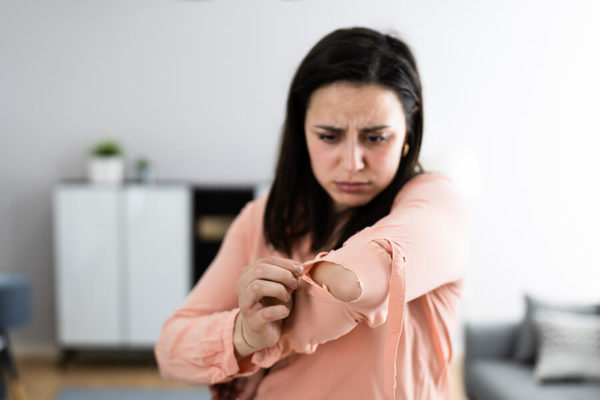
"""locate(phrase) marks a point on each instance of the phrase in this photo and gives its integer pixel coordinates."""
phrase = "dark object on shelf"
(214, 209)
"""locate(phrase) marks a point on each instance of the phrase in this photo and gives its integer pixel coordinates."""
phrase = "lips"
(351, 187)
(351, 182)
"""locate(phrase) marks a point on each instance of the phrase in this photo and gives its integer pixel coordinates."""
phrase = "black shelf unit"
(213, 201)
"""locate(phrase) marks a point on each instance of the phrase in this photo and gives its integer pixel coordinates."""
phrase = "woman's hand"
(264, 297)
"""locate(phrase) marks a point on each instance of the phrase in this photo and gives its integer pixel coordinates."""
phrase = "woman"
(343, 282)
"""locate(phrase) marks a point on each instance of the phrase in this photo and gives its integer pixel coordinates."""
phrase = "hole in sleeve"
(340, 281)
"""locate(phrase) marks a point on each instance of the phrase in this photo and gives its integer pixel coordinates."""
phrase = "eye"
(327, 138)
(376, 138)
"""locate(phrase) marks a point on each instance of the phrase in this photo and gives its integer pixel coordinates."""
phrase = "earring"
(405, 150)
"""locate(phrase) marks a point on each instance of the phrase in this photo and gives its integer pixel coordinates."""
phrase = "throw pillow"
(569, 346)
(525, 344)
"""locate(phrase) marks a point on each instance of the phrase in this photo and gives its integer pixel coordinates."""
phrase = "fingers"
(265, 286)
(272, 301)
(261, 288)
(285, 263)
(274, 273)
(274, 269)
(270, 314)
(267, 315)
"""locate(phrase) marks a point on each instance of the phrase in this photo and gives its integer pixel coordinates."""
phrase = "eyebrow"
(368, 129)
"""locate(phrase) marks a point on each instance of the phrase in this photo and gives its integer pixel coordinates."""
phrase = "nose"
(353, 157)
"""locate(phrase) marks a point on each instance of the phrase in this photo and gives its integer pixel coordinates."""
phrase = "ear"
(405, 150)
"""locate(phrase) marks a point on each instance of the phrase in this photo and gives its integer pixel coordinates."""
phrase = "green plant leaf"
(107, 148)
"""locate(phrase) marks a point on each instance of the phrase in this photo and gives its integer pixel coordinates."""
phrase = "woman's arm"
(428, 224)
(419, 246)
(198, 342)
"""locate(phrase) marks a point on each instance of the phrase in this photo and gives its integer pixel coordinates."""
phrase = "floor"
(42, 377)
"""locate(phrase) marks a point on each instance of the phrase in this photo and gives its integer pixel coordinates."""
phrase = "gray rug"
(86, 393)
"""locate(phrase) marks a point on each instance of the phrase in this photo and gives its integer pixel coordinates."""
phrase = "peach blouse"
(393, 342)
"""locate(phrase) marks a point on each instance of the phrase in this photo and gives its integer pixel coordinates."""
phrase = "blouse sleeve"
(196, 341)
(419, 246)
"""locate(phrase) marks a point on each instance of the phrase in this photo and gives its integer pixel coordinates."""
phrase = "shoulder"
(255, 208)
(430, 187)
(251, 214)
(246, 226)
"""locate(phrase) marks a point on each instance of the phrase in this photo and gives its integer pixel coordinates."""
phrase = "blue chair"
(15, 310)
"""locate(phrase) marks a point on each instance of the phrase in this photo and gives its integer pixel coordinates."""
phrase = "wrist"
(240, 344)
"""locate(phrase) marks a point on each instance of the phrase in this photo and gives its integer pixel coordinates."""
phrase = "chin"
(356, 201)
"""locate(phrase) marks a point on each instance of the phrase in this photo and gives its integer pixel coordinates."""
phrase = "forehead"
(346, 100)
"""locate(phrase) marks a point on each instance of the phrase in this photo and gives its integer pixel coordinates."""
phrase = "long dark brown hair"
(297, 203)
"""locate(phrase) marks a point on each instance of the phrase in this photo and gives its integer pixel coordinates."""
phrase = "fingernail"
(299, 268)
(294, 283)
(288, 297)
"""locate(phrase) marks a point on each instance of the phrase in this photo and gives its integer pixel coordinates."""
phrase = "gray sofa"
(491, 373)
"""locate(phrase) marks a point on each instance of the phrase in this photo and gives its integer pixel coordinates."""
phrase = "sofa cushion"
(569, 346)
(526, 341)
(509, 380)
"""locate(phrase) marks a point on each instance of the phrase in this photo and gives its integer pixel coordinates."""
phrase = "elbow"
(347, 292)
(180, 370)
(178, 360)
(162, 361)
(169, 366)
(163, 369)
(341, 282)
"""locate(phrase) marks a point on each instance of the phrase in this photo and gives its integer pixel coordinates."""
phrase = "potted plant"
(144, 170)
(106, 164)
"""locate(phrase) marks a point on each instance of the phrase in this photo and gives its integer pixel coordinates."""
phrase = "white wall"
(199, 87)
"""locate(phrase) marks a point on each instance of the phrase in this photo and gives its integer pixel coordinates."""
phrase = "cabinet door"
(88, 274)
(158, 257)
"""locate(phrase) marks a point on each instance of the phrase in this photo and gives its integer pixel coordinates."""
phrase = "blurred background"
(193, 94)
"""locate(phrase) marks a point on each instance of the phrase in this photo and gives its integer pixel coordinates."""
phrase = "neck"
(341, 218)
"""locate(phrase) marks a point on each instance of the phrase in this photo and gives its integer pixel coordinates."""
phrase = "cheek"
(386, 163)
(322, 159)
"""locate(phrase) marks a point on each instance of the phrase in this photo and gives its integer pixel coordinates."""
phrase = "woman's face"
(355, 134)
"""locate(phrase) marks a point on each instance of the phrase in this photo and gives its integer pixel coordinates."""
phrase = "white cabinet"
(123, 262)
(158, 251)
(88, 265)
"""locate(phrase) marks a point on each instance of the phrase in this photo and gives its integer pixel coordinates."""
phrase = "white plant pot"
(106, 170)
